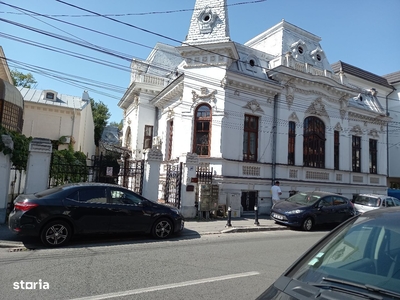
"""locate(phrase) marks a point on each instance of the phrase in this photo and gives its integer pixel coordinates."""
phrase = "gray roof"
(60, 100)
(10, 93)
(349, 69)
(393, 78)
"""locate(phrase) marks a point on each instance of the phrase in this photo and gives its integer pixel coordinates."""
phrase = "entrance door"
(249, 200)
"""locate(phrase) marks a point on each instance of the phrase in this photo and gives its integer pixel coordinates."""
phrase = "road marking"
(167, 286)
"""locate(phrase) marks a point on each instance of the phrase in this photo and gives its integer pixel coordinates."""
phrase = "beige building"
(68, 119)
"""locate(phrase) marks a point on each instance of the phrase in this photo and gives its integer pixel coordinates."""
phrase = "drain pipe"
(387, 135)
(274, 136)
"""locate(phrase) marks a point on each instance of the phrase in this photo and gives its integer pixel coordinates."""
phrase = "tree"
(100, 118)
(23, 80)
(118, 125)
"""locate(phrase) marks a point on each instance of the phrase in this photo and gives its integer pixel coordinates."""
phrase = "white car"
(367, 202)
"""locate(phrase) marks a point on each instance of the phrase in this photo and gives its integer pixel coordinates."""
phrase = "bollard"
(228, 223)
(256, 214)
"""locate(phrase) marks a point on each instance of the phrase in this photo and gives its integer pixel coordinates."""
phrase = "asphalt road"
(230, 266)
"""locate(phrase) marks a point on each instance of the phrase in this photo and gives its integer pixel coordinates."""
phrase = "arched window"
(314, 143)
(202, 130)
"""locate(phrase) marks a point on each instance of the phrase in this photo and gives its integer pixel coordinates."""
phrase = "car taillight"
(25, 206)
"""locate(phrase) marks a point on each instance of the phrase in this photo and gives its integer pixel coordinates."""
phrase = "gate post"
(188, 191)
(152, 162)
(5, 170)
(38, 167)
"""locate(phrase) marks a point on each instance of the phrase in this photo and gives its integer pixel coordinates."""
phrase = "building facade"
(270, 109)
(59, 117)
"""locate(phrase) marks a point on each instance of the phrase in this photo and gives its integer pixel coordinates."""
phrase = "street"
(230, 266)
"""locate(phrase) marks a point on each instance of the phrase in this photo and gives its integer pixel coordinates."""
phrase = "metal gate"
(173, 182)
(127, 173)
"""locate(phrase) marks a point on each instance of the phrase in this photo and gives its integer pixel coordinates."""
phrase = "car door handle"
(114, 209)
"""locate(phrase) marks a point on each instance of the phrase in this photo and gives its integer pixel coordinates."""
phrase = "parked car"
(306, 209)
(56, 214)
(360, 259)
(367, 202)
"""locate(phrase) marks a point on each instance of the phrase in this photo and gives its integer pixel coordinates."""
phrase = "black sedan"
(56, 214)
(306, 209)
(360, 259)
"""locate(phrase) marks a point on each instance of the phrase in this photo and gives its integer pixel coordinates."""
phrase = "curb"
(253, 229)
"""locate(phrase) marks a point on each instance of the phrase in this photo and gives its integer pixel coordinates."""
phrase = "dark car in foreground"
(360, 259)
(306, 209)
(56, 214)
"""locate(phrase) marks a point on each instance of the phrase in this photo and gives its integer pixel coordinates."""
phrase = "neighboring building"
(58, 117)
(11, 101)
(271, 109)
(393, 100)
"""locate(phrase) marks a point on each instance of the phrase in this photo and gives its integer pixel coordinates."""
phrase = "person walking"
(275, 192)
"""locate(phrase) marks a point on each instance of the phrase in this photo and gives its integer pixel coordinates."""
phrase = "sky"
(69, 48)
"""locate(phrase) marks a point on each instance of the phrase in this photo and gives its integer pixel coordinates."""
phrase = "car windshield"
(367, 201)
(304, 198)
(365, 252)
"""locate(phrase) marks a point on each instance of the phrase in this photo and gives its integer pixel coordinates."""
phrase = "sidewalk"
(192, 227)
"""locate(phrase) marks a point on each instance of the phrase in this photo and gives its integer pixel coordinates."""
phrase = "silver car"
(367, 202)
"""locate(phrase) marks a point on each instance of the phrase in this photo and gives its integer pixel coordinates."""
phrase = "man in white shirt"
(275, 192)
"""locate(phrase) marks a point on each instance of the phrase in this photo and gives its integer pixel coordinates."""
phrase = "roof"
(10, 93)
(60, 100)
(393, 78)
(349, 69)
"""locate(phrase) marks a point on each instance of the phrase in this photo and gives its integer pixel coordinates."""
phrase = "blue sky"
(363, 33)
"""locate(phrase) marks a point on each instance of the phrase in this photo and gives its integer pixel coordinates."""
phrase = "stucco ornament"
(205, 95)
(357, 130)
(289, 93)
(374, 133)
(317, 108)
(338, 127)
(344, 103)
(206, 20)
(293, 117)
(253, 106)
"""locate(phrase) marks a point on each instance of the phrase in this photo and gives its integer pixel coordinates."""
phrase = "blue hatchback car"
(306, 209)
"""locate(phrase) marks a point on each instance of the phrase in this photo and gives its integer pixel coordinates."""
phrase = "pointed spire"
(209, 23)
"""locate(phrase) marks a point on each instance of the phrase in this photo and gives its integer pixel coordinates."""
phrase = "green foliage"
(23, 80)
(100, 118)
(18, 155)
(68, 166)
(118, 125)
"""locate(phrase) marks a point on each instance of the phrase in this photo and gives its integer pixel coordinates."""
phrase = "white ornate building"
(271, 109)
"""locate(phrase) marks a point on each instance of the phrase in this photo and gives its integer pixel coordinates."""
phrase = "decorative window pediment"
(253, 106)
(318, 108)
(317, 54)
(293, 117)
(206, 20)
(299, 48)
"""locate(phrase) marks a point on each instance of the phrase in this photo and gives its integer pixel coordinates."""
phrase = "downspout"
(387, 134)
(274, 136)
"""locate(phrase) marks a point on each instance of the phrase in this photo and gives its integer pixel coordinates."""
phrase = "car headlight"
(295, 212)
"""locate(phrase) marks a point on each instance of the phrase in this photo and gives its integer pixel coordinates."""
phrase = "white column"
(298, 148)
(329, 145)
(153, 158)
(5, 170)
(38, 167)
(188, 188)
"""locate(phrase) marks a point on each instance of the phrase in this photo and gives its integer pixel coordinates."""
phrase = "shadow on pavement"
(85, 241)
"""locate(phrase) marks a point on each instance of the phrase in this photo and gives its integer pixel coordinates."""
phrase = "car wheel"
(162, 228)
(56, 234)
(308, 224)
